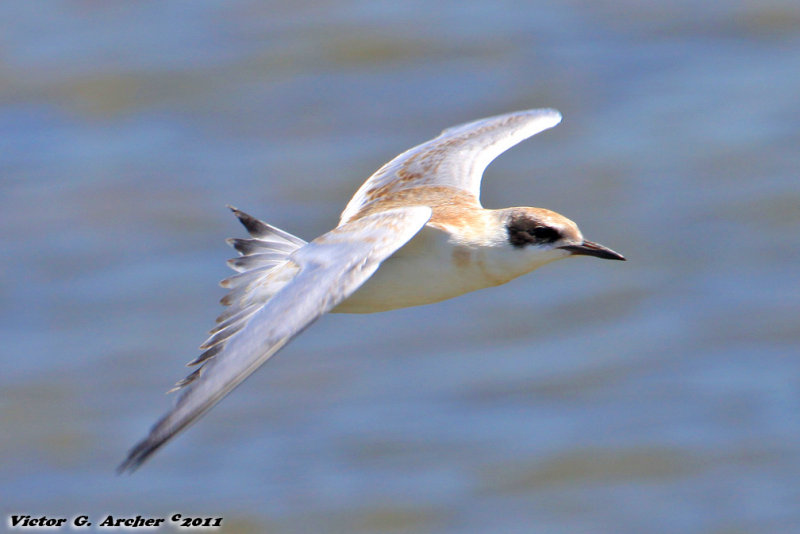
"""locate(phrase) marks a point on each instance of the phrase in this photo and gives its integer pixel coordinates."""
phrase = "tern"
(414, 233)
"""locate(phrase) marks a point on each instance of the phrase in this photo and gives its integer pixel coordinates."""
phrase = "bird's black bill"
(588, 248)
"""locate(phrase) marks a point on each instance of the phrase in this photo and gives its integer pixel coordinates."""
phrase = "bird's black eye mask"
(523, 230)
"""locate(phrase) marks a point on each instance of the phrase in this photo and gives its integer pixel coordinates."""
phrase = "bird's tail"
(258, 265)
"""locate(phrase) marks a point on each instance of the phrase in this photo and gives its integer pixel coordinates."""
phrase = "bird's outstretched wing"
(455, 159)
(313, 279)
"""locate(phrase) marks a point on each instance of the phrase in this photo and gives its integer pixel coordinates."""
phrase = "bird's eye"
(545, 233)
(524, 231)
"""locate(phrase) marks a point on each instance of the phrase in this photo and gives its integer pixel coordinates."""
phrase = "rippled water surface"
(657, 395)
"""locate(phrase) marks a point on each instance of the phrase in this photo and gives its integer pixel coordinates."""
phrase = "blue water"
(658, 395)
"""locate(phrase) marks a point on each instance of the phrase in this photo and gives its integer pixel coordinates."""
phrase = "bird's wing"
(455, 159)
(324, 273)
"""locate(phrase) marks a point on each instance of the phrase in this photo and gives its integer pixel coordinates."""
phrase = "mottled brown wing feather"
(451, 164)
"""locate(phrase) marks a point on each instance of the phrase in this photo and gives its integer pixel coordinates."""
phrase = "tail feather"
(254, 246)
(263, 231)
(258, 278)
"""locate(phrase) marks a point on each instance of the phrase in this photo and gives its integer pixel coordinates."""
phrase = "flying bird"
(414, 233)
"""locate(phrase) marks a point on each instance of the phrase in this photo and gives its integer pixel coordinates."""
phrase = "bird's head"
(547, 236)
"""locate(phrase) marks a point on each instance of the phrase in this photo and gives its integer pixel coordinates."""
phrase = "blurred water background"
(659, 395)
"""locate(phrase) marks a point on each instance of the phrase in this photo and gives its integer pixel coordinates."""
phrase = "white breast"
(429, 268)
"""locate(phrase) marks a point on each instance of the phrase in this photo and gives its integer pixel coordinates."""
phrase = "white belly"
(429, 268)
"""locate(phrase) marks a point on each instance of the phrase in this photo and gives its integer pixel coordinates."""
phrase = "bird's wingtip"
(139, 454)
(550, 114)
(132, 462)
